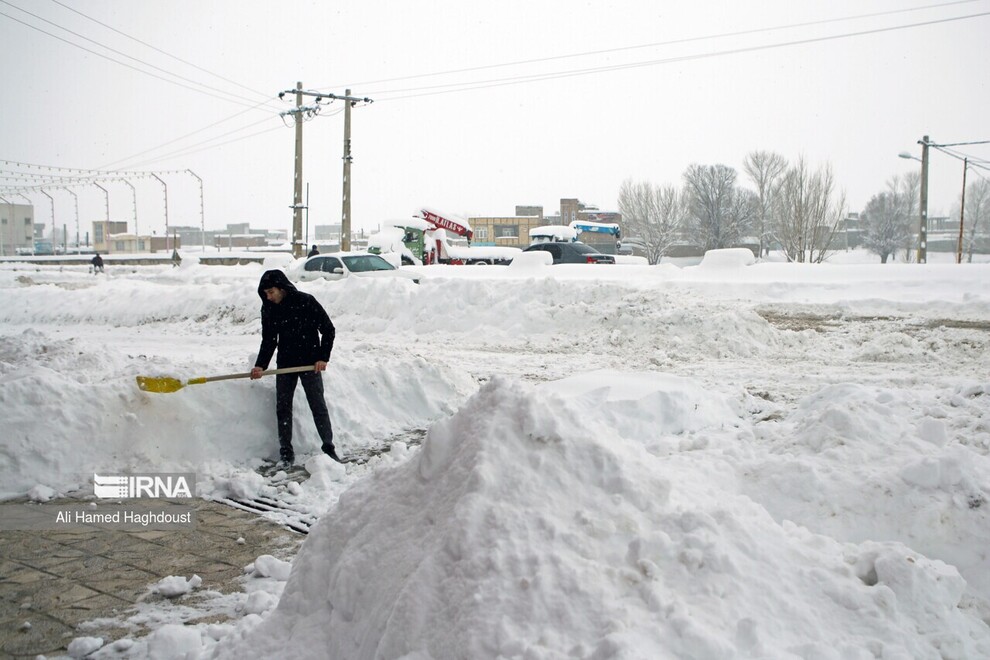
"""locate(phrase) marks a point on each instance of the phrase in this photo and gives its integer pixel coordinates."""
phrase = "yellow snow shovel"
(166, 385)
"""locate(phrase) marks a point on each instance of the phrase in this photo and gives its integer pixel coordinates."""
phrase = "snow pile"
(858, 463)
(530, 526)
(173, 586)
(728, 258)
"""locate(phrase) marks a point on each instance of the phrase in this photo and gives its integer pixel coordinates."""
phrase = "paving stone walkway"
(52, 581)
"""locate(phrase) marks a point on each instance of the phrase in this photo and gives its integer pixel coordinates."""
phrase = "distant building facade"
(327, 232)
(513, 231)
(16, 228)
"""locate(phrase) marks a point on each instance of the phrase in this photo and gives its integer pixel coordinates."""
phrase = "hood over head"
(274, 278)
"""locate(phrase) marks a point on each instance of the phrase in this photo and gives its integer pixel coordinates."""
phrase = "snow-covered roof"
(588, 225)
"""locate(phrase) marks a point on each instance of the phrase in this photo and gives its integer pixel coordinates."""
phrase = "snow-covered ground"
(718, 461)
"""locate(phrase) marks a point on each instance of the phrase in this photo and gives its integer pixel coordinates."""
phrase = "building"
(322, 233)
(113, 238)
(236, 234)
(513, 231)
(231, 241)
(103, 231)
(506, 231)
(16, 228)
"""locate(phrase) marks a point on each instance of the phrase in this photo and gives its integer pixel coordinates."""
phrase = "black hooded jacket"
(298, 326)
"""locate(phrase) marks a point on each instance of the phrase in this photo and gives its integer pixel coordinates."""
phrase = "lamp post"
(137, 234)
(51, 200)
(106, 226)
(165, 189)
(202, 215)
(75, 199)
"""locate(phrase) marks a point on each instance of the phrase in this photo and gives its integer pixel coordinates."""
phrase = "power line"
(199, 130)
(192, 150)
(115, 61)
(159, 50)
(498, 82)
(671, 42)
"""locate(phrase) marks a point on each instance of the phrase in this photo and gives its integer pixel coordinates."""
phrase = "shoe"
(333, 454)
(284, 464)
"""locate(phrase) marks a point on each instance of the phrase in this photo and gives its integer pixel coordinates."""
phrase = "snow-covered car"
(572, 253)
(339, 265)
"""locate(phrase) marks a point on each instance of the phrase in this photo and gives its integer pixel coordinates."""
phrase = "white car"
(340, 265)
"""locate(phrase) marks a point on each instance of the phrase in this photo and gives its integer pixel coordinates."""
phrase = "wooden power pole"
(297, 203)
(345, 215)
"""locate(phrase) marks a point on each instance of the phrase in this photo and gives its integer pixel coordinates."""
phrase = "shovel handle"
(269, 372)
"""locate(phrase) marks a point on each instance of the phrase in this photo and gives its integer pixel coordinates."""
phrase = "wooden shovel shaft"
(165, 384)
(270, 372)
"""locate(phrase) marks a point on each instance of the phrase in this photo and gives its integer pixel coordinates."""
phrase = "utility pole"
(297, 204)
(345, 215)
(297, 250)
(923, 230)
(962, 211)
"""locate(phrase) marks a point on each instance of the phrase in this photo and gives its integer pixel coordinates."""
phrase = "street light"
(51, 200)
(202, 215)
(75, 199)
(106, 230)
(165, 189)
(923, 225)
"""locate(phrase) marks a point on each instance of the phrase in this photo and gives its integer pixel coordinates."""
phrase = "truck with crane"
(429, 238)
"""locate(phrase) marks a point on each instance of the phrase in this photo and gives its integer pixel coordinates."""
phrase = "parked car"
(339, 265)
(572, 253)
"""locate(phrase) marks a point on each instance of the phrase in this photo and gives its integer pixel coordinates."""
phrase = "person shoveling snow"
(296, 324)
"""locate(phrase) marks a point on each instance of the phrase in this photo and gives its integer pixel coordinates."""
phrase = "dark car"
(572, 253)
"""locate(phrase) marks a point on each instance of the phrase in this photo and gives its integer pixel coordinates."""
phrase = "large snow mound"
(532, 526)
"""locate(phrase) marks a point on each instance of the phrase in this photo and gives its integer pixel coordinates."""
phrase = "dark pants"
(285, 389)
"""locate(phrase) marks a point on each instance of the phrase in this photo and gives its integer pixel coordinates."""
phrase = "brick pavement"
(56, 580)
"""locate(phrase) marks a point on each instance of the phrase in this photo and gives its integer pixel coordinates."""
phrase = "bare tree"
(906, 190)
(653, 214)
(765, 169)
(977, 214)
(886, 225)
(807, 212)
(718, 213)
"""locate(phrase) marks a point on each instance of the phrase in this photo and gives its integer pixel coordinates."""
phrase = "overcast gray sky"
(478, 106)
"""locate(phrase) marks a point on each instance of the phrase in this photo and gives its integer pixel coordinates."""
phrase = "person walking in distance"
(97, 262)
(313, 252)
(296, 324)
